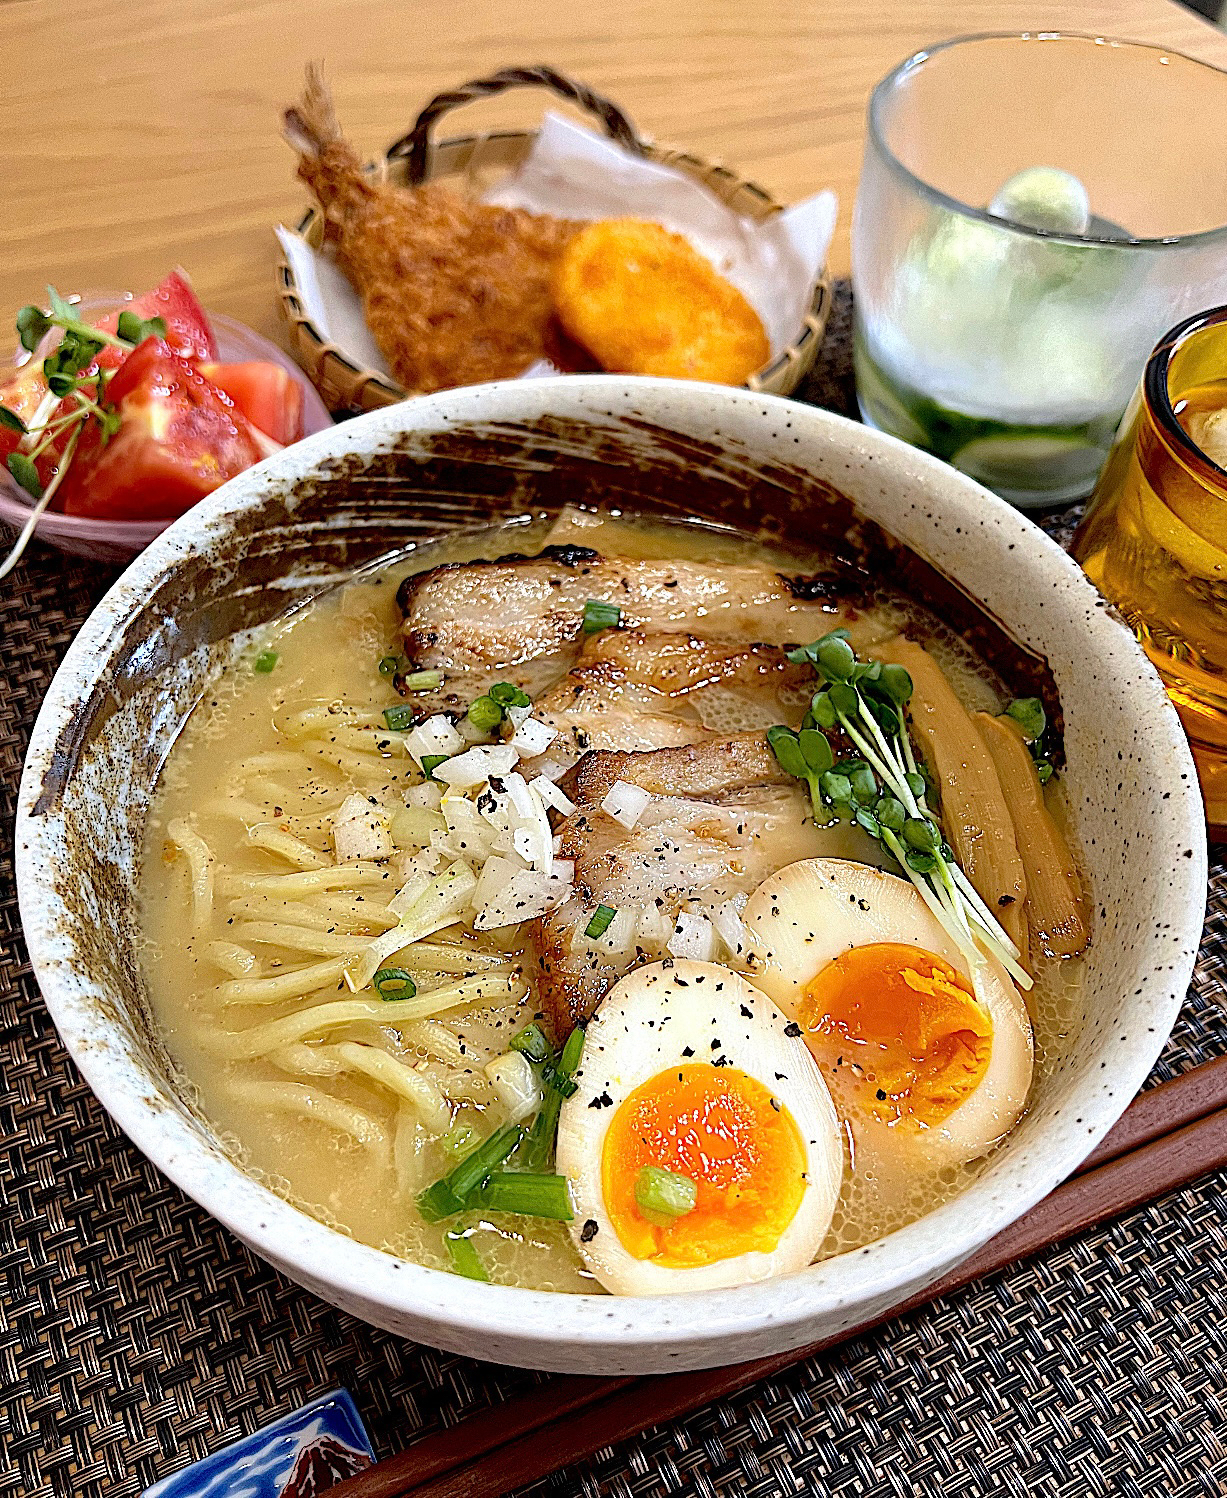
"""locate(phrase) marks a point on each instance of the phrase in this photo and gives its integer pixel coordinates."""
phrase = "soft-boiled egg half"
(933, 1058)
(702, 1146)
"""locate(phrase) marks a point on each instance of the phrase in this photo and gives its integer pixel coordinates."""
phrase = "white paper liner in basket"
(570, 172)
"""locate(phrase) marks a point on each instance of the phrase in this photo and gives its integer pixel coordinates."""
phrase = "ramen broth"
(277, 750)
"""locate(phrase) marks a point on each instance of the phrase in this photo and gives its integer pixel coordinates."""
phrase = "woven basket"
(480, 160)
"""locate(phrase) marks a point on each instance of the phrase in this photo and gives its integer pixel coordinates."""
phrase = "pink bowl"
(120, 540)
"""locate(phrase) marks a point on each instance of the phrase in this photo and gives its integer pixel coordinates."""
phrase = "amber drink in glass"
(1154, 540)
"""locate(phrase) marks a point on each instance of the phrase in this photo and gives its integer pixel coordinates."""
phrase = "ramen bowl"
(400, 476)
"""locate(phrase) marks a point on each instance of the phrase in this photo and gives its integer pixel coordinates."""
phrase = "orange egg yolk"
(898, 1032)
(732, 1137)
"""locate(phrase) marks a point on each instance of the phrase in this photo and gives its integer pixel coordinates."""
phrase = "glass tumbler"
(1154, 539)
(1011, 348)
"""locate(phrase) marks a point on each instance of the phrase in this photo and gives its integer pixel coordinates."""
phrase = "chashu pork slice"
(475, 615)
(731, 820)
(640, 689)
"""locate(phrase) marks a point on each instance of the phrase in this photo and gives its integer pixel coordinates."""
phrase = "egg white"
(643, 1027)
(808, 913)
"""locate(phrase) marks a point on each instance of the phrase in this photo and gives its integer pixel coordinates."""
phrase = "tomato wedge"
(173, 300)
(269, 396)
(179, 439)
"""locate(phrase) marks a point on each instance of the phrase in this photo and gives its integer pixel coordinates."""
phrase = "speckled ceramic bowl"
(409, 471)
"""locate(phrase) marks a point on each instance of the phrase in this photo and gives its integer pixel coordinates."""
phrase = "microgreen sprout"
(1028, 713)
(883, 788)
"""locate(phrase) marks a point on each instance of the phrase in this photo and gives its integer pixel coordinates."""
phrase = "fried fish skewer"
(454, 291)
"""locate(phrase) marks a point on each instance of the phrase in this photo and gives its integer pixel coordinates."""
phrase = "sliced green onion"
(531, 1042)
(448, 1195)
(431, 762)
(265, 662)
(474, 1168)
(394, 983)
(601, 921)
(389, 665)
(663, 1196)
(599, 615)
(507, 694)
(1044, 769)
(540, 1144)
(400, 717)
(528, 1193)
(422, 681)
(562, 1083)
(1028, 713)
(485, 713)
(465, 1258)
(438, 1201)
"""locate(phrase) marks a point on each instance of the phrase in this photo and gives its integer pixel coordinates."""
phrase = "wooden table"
(139, 136)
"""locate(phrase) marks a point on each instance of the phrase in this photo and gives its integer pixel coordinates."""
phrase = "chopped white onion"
(654, 925)
(694, 936)
(515, 1084)
(437, 735)
(552, 795)
(564, 868)
(733, 930)
(523, 813)
(517, 789)
(533, 737)
(524, 897)
(552, 769)
(406, 865)
(517, 715)
(469, 835)
(428, 794)
(360, 830)
(496, 872)
(625, 803)
(476, 764)
(417, 882)
(412, 826)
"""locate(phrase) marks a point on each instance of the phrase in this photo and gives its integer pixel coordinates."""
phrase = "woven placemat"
(137, 1335)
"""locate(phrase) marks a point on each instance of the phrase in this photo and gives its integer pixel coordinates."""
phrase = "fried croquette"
(454, 291)
(644, 301)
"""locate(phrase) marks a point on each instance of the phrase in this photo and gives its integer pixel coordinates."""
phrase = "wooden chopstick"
(1169, 1136)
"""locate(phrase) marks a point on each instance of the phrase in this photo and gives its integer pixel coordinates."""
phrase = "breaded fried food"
(454, 291)
(644, 301)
